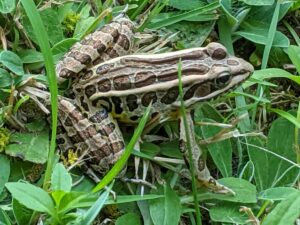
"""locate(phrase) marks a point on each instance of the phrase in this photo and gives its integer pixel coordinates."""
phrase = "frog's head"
(223, 73)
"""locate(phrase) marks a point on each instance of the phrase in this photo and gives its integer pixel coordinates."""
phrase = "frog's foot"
(214, 186)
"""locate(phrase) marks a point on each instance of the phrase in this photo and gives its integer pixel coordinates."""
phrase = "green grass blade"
(287, 116)
(183, 16)
(293, 32)
(294, 54)
(139, 10)
(93, 212)
(41, 36)
(226, 38)
(129, 148)
(271, 35)
(189, 147)
(297, 147)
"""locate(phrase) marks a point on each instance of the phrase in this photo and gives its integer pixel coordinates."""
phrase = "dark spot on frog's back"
(122, 83)
(109, 128)
(115, 34)
(99, 46)
(68, 122)
(143, 79)
(112, 53)
(124, 42)
(219, 53)
(190, 92)
(102, 69)
(81, 57)
(104, 85)
(171, 96)
(60, 141)
(117, 146)
(117, 103)
(65, 73)
(86, 74)
(148, 97)
(90, 90)
(99, 116)
(131, 101)
(134, 118)
(76, 138)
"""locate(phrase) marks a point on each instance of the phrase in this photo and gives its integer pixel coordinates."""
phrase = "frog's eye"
(223, 79)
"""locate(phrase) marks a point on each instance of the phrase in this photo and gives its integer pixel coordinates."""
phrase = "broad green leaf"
(31, 147)
(74, 200)
(228, 212)
(245, 192)
(221, 152)
(5, 171)
(21, 213)
(129, 219)
(61, 180)
(271, 73)
(7, 6)
(63, 46)
(281, 141)
(5, 78)
(4, 218)
(259, 160)
(82, 26)
(294, 54)
(286, 212)
(30, 56)
(263, 14)
(57, 196)
(32, 197)
(259, 36)
(51, 24)
(145, 212)
(171, 149)
(278, 193)
(258, 2)
(227, 8)
(149, 149)
(275, 170)
(165, 210)
(12, 62)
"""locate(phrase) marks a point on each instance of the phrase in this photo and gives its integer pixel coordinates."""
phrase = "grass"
(41, 35)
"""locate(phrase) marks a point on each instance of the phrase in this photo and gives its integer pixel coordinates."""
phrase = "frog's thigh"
(90, 136)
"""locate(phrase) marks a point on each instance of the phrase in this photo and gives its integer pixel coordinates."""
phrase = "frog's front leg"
(201, 171)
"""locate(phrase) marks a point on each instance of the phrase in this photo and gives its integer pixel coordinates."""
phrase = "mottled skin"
(108, 86)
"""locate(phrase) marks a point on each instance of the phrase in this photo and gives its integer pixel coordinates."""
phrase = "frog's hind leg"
(201, 171)
(92, 135)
